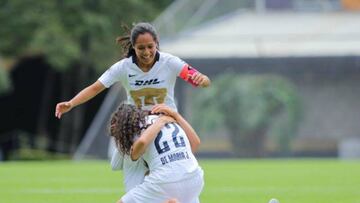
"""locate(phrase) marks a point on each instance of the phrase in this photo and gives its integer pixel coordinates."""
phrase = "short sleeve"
(113, 74)
(176, 64)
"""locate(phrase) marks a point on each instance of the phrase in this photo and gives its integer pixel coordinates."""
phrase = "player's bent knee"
(120, 201)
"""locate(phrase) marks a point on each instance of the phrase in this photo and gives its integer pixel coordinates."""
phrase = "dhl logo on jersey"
(147, 82)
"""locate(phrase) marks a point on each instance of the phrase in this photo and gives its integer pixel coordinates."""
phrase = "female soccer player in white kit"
(148, 77)
(166, 143)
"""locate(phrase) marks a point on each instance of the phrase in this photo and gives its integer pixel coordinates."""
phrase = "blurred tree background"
(4, 80)
(70, 31)
(63, 45)
(253, 108)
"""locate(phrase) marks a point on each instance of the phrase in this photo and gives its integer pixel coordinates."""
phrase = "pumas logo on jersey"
(147, 82)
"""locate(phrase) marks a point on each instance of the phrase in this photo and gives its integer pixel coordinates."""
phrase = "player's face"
(145, 49)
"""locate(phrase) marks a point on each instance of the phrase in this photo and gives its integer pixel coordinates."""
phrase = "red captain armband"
(186, 73)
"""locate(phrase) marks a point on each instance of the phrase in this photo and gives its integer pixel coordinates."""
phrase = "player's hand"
(62, 108)
(162, 108)
(166, 119)
(200, 79)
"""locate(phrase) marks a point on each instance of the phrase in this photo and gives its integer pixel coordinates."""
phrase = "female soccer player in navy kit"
(148, 77)
(166, 142)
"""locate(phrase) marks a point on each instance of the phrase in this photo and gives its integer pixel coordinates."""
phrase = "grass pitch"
(226, 181)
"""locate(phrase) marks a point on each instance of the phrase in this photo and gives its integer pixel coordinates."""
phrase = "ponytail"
(125, 42)
(127, 47)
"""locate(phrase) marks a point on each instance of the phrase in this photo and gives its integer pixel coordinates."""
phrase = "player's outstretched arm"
(82, 97)
(147, 136)
(194, 139)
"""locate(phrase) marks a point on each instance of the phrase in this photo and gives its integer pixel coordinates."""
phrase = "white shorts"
(185, 191)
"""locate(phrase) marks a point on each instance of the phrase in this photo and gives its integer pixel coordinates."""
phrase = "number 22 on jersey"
(177, 139)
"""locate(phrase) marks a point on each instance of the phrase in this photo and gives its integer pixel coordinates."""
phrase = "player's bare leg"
(172, 201)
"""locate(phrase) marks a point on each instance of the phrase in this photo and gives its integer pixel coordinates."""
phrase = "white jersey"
(145, 89)
(169, 156)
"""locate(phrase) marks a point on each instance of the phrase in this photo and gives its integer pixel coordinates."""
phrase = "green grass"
(226, 181)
